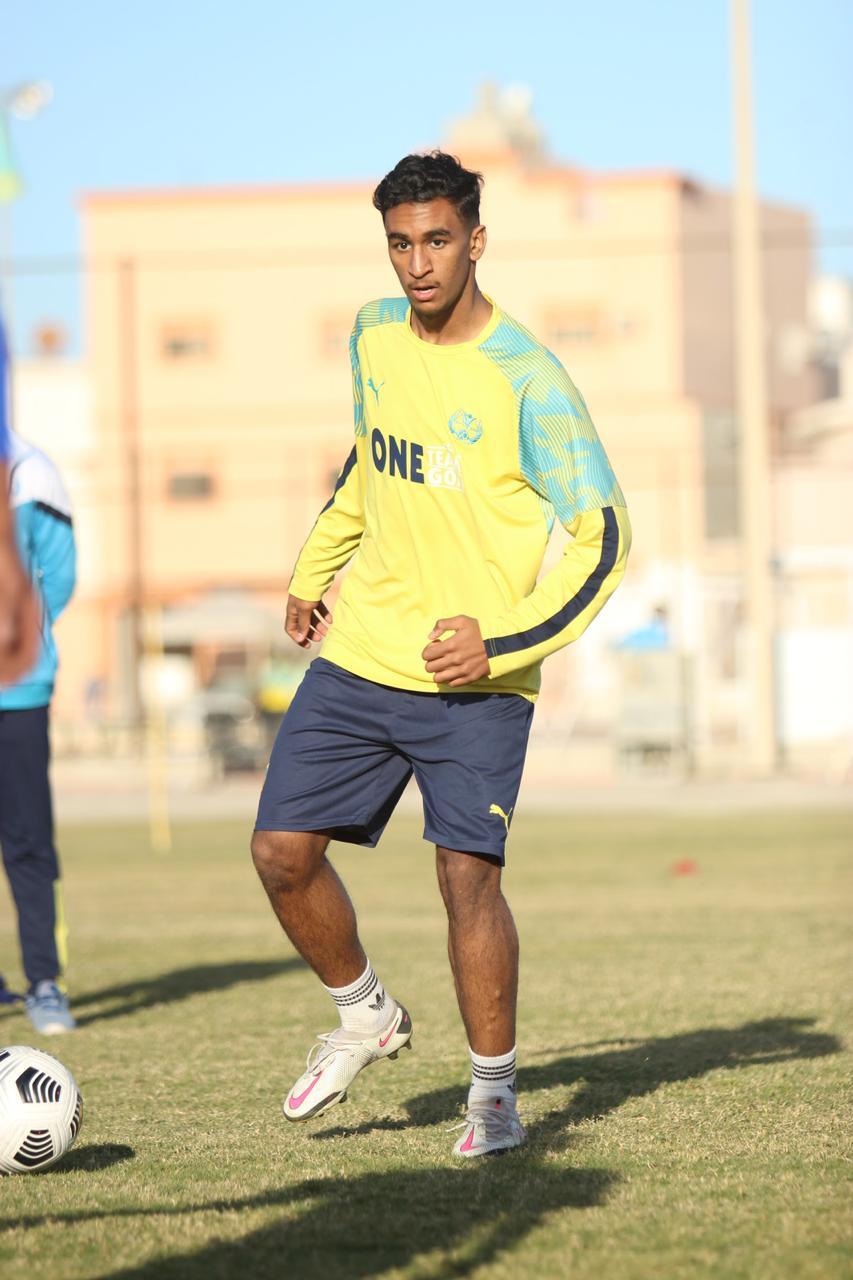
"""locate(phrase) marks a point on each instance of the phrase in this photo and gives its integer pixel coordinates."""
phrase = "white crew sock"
(492, 1078)
(364, 1005)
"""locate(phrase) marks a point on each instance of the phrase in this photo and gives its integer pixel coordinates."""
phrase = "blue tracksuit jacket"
(4, 428)
(45, 535)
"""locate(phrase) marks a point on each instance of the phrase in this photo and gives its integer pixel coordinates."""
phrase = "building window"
(720, 471)
(190, 485)
(574, 326)
(186, 340)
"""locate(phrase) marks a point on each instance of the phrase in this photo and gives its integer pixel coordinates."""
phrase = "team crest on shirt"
(465, 427)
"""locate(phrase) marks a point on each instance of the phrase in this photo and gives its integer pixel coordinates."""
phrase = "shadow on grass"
(354, 1228)
(180, 984)
(634, 1069)
(90, 1158)
(456, 1219)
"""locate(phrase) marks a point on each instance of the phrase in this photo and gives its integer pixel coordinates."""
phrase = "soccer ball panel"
(41, 1109)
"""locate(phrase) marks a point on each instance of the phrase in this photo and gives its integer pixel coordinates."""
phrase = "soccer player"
(469, 439)
(45, 540)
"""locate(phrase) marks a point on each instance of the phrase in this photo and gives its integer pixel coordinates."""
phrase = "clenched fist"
(462, 657)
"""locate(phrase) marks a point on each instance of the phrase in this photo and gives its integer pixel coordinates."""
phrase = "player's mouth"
(423, 292)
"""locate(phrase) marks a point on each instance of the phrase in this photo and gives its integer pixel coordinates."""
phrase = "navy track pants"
(26, 836)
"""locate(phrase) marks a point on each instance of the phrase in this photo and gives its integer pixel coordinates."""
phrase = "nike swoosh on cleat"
(382, 1043)
(468, 1144)
(293, 1103)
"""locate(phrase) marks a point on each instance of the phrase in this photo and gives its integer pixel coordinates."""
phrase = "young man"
(469, 438)
(45, 542)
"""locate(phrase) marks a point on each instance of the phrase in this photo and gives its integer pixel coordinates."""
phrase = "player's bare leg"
(483, 948)
(316, 913)
(311, 903)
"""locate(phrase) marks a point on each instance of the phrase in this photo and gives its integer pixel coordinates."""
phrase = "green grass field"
(683, 1072)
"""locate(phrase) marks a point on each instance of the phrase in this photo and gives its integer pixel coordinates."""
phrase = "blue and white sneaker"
(47, 1009)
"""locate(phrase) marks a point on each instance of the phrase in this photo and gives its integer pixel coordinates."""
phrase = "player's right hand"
(306, 621)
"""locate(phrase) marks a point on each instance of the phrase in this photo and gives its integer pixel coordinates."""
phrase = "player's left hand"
(462, 657)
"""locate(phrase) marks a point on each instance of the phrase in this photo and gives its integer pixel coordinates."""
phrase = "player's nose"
(419, 264)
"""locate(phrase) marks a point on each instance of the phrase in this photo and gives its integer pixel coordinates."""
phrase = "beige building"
(814, 514)
(217, 324)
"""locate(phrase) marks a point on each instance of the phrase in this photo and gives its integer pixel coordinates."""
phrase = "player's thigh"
(333, 767)
(26, 812)
(469, 768)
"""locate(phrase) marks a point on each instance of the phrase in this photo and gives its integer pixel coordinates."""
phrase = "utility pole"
(23, 101)
(754, 461)
(129, 410)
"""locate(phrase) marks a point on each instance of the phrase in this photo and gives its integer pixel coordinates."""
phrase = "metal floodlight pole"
(9, 190)
(24, 101)
(129, 421)
(754, 428)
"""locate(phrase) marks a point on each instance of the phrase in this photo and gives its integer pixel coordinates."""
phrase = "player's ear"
(478, 243)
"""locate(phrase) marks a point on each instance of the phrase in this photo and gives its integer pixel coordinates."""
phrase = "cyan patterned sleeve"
(563, 461)
(561, 455)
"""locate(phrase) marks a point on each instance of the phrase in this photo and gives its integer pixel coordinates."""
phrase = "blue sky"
(203, 92)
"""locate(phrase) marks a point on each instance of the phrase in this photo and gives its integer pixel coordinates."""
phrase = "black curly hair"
(419, 179)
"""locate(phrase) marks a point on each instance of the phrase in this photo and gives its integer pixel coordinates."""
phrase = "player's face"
(433, 252)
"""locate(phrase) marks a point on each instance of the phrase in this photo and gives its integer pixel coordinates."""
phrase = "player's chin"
(433, 306)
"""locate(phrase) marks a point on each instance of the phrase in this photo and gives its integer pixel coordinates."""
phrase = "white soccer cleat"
(335, 1061)
(490, 1128)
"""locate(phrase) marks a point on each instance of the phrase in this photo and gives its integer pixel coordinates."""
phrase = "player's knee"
(263, 851)
(467, 881)
(282, 859)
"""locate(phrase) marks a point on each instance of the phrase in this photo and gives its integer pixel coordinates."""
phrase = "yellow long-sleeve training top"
(463, 456)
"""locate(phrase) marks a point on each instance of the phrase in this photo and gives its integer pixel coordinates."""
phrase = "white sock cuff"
(361, 989)
(500, 1070)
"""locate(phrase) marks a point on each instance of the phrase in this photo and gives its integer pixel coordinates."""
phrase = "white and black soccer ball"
(41, 1109)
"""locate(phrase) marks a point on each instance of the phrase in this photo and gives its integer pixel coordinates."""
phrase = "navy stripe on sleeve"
(53, 511)
(342, 478)
(554, 625)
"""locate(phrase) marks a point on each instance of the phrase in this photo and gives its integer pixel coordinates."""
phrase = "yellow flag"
(11, 185)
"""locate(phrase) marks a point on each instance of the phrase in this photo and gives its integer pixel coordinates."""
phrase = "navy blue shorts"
(347, 748)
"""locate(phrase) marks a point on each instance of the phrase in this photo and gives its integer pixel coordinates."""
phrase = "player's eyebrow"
(428, 235)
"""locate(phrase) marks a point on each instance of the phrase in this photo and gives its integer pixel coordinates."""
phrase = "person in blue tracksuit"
(45, 540)
(19, 629)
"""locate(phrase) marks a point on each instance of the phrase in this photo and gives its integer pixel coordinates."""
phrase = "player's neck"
(468, 317)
